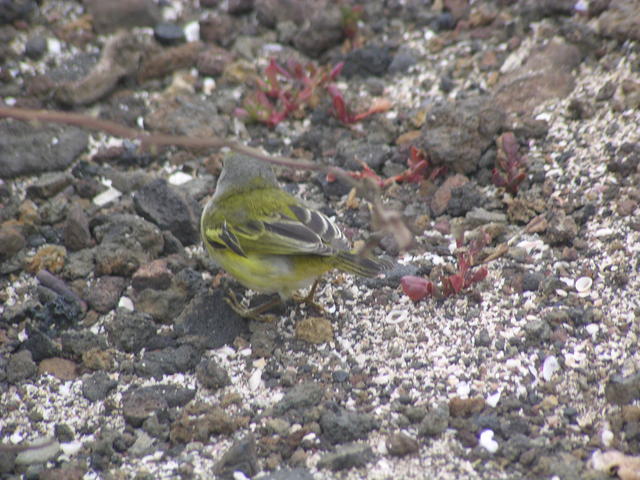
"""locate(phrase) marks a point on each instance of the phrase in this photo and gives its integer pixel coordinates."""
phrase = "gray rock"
(241, 457)
(104, 293)
(163, 305)
(212, 375)
(209, 316)
(435, 422)
(345, 425)
(621, 390)
(304, 395)
(167, 361)
(113, 15)
(479, 216)
(168, 208)
(401, 444)
(457, 134)
(76, 229)
(97, 386)
(49, 184)
(323, 31)
(293, 474)
(346, 457)
(27, 150)
(79, 264)
(41, 451)
(130, 331)
(138, 404)
(76, 343)
(20, 366)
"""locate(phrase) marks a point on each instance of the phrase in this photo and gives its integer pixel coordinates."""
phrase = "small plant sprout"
(417, 288)
(510, 169)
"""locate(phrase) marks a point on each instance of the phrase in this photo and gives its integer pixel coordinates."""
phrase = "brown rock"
(48, 185)
(11, 241)
(115, 14)
(217, 29)
(60, 368)
(621, 20)
(48, 257)
(442, 196)
(314, 330)
(213, 61)
(546, 74)
(76, 229)
(401, 444)
(104, 293)
(169, 60)
(154, 275)
(465, 407)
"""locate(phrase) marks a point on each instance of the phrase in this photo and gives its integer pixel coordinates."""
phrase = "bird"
(268, 240)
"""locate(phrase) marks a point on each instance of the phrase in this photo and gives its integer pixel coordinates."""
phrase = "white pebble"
(179, 178)
(492, 400)
(487, 442)
(107, 196)
(607, 437)
(255, 379)
(583, 284)
(126, 303)
(550, 367)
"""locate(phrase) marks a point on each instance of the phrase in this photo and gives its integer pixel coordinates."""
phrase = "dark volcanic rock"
(168, 208)
(27, 150)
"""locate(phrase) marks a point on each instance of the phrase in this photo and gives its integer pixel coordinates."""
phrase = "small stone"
(622, 390)
(130, 331)
(104, 293)
(49, 185)
(241, 457)
(76, 229)
(41, 451)
(347, 456)
(209, 316)
(213, 61)
(401, 444)
(154, 275)
(115, 14)
(140, 403)
(168, 33)
(163, 305)
(212, 375)
(60, 368)
(168, 208)
(20, 367)
(97, 386)
(314, 330)
(346, 425)
(11, 241)
(167, 361)
(304, 395)
(465, 407)
(435, 422)
(35, 47)
(48, 257)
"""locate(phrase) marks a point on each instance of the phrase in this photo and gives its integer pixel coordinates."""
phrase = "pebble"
(211, 375)
(168, 208)
(401, 444)
(46, 449)
(97, 386)
(345, 425)
(435, 422)
(168, 34)
(20, 367)
(353, 455)
(487, 442)
(241, 457)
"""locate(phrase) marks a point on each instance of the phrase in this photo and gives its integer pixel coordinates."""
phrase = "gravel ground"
(119, 357)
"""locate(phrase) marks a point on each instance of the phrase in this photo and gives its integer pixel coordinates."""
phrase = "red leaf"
(416, 288)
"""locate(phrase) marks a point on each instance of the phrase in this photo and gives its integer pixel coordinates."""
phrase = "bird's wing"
(299, 231)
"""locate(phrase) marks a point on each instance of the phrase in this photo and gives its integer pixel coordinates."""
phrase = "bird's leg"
(308, 299)
(255, 313)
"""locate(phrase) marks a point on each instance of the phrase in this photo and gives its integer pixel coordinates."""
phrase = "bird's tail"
(364, 266)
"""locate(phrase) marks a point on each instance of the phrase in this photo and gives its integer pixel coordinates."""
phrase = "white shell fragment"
(487, 442)
(550, 367)
(583, 284)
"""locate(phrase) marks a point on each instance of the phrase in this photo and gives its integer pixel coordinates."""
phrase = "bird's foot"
(255, 313)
